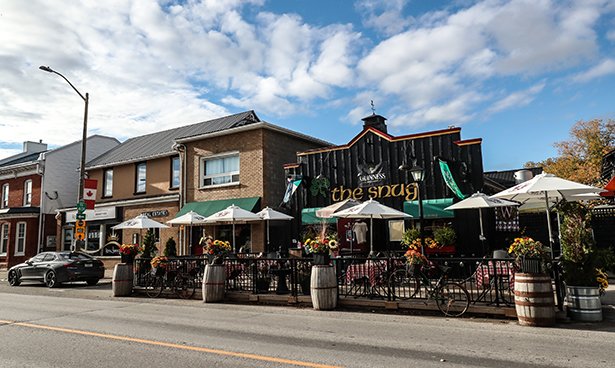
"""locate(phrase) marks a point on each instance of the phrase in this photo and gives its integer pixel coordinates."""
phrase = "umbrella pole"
(549, 222)
(234, 249)
(482, 236)
(371, 236)
(267, 235)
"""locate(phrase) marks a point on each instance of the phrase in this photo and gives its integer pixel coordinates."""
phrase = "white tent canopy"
(327, 212)
(139, 222)
(371, 210)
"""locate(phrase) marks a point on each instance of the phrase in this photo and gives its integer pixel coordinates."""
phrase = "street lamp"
(418, 174)
(86, 99)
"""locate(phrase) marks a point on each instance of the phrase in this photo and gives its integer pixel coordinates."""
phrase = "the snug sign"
(408, 191)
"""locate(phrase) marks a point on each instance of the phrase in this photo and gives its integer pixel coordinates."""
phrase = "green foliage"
(580, 258)
(149, 245)
(410, 235)
(170, 249)
(444, 235)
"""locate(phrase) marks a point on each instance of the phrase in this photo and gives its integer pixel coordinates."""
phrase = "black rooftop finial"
(373, 108)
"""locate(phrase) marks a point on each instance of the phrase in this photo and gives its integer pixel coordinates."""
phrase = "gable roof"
(506, 178)
(21, 158)
(160, 144)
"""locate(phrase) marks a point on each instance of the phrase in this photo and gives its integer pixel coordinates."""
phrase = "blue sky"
(518, 74)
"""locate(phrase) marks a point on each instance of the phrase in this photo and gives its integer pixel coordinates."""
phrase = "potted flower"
(530, 255)
(582, 265)
(128, 252)
(321, 247)
(415, 259)
(444, 237)
(216, 250)
(159, 265)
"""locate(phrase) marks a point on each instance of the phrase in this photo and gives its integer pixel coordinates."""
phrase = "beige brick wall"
(165, 234)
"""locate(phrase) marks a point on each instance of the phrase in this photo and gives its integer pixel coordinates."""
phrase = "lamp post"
(418, 174)
(86, 99)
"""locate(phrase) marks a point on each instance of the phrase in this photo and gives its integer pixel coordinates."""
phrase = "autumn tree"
(580, 157)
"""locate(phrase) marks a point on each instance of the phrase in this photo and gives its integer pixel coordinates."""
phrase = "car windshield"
(75, 256)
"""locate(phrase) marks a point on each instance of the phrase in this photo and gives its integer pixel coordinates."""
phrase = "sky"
(517, 74)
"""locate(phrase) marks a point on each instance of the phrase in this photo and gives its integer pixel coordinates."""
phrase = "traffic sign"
(80, 216)
(81, 206)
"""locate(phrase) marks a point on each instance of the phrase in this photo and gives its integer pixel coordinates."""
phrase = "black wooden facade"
(369, 167)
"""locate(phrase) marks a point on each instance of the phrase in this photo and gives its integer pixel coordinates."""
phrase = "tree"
(580, 157)
(149, 245)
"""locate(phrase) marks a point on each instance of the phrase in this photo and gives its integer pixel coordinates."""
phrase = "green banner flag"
(449, 180)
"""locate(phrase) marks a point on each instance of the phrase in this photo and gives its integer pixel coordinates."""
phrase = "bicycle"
(451, 298)
(182, 284)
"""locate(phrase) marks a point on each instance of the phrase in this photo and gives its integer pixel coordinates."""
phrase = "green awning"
(208, 208)
(308, 216)
(432, 208)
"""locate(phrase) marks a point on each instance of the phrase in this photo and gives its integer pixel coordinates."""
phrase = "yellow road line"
(171, 345)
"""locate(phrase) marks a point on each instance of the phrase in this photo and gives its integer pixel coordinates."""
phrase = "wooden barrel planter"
(122, 280)
(583, 303)
(213, 283)
(534, 300)
(323, 287)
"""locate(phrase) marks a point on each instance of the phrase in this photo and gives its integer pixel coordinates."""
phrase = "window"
(4, 238)
(5, 196)
(67, 241)
(20, 239)
(175, 172)
(220, 170)
(108, 183)
(27, 193)
(140, 182)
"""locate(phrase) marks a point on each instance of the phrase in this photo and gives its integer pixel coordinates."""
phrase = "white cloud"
(517, 99)
(386, 16)
(606, 67)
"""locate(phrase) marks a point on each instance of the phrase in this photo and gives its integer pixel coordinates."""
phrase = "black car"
(54, 268)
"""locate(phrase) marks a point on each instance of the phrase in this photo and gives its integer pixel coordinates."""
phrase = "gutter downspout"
(181, 149)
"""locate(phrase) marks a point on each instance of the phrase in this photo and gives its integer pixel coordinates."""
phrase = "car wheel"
(92, 282)
(51, 279)
(14, 278)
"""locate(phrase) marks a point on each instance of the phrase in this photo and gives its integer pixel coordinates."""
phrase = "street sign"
(81, 206)
(80, 216)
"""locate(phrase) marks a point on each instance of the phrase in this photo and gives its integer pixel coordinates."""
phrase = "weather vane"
(373, 108)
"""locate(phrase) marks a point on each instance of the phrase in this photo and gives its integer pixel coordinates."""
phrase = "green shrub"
(170, 249)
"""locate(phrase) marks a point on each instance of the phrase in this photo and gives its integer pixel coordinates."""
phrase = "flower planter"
(323, 287)
(583, 303)
(127, 258)
(321, 259)
(213, 283)
(530, 265)
(122, 280)
(534, 300)
(447, 249)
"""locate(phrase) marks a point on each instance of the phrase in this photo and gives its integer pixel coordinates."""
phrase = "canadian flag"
(89, 193)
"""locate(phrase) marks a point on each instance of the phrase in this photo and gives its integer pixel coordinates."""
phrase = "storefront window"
(243, 236)
(93, 238)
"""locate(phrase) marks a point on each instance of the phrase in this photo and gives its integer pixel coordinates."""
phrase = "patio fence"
(489, 281)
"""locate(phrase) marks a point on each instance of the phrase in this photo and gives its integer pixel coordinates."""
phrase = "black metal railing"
(489, 281)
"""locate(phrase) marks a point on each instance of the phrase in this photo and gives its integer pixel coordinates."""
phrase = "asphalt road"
(80, 326)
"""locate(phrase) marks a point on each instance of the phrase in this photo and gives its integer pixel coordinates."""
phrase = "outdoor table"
(503, 270)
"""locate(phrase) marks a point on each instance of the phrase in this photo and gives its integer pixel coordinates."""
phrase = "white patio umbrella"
(232, 214)
(269, 214)
(190, 218)
(327, 212)
(140, 222)
(371, 210)
(548, 189)
(480, 201)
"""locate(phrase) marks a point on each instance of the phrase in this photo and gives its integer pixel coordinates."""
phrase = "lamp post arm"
(76, 90)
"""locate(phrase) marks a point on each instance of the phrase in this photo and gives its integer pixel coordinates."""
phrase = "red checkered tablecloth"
(369, 269)
(502, 269)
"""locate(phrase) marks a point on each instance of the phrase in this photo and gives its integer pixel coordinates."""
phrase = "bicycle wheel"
(452, 299)
(184, 287)
(403, 285)
(153, 286)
